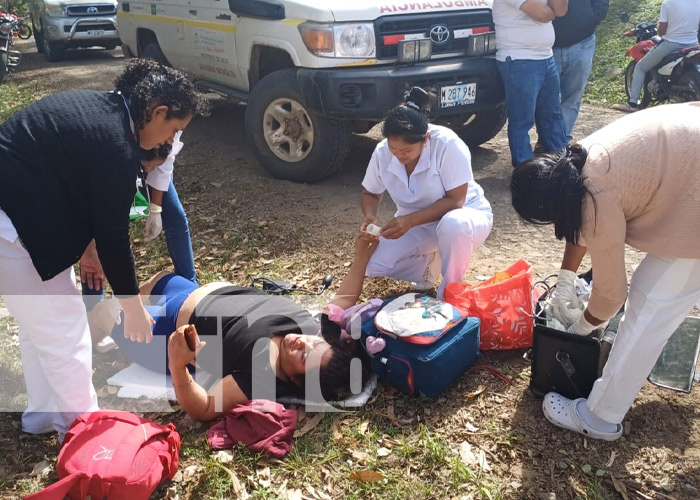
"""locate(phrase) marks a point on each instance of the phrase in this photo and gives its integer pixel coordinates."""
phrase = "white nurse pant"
(54, 341)
(454, 237)
(662, 293)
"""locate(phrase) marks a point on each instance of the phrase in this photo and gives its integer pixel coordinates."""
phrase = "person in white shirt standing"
(524, 39)
(678, 26)
(442, 214)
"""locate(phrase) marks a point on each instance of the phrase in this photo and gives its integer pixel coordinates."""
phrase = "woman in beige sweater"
(635, 182)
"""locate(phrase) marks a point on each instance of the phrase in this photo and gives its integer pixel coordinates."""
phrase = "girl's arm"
(350, 289)
(194, 399)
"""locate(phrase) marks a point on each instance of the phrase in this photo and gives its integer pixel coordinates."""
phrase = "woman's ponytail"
(409, 120)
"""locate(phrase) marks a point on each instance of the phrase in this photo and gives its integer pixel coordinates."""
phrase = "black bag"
(564, 362)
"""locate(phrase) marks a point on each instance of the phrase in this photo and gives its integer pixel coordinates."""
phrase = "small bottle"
(373, 229)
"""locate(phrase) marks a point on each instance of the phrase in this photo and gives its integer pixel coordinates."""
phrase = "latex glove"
(564, 304)
(581, 327)
(154, 222)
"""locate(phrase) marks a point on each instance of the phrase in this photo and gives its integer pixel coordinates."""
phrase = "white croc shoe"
(562, 412)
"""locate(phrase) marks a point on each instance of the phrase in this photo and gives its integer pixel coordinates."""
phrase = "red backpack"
(114, 455)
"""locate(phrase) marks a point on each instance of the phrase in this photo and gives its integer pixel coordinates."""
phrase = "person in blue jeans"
(574, 47)
(524, 57)
(166, 213)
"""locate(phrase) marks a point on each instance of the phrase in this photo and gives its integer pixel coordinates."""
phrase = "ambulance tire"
(483, 127)
(152, 51)
(291, 142)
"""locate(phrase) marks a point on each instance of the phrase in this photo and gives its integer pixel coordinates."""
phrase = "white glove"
(564, 304)
(581, 327)
(154, 222)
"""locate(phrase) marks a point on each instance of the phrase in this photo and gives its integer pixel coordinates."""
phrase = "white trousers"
(455, 237)
(662, 293)
(54, 341)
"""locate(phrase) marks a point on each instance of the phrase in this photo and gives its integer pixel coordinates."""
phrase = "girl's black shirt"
(237, 324)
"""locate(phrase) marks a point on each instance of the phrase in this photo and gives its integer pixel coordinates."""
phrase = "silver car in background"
(66, 24)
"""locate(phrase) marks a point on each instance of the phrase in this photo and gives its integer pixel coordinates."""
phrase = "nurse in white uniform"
(442, 214)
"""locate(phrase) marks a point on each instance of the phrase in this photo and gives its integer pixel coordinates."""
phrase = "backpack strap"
(58, 490)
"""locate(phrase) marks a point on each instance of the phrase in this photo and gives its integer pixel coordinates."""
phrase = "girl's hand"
(179, 355)
(397, 227)
(366, 221)
(137, 321)
(365, 245)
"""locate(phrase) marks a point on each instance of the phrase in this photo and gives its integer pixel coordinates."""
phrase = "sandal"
(563, 412)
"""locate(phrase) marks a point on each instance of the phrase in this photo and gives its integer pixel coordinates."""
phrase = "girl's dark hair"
(145, 83)
(161, 152)
(549, 189)
(334, 375)
(410, 119)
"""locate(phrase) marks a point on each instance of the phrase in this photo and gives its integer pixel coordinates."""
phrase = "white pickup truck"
(312, 72)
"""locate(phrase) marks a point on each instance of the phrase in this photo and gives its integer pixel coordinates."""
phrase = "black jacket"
(68, 167)
(580, 21)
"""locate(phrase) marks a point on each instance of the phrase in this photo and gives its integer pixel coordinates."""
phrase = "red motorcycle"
(676, 78)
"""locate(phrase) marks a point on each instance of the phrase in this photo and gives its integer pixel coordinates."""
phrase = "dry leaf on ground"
(263, 473)
(367, 476)
(41, 469)
(620, 487)
(359, 456)
(309, 425)
(337, 432)
(224, 456)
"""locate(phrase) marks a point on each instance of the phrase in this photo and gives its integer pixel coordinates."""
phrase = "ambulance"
(313, 72)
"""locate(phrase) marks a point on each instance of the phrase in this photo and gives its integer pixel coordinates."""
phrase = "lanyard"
(141, 176)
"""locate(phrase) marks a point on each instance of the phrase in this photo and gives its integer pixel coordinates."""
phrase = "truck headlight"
(55, 10)
(346, 40)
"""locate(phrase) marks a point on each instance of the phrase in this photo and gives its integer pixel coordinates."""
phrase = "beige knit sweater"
(644, 173)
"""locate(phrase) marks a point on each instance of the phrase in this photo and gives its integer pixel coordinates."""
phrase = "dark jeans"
(532, 97)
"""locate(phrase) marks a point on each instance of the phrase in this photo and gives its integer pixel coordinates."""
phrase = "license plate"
(96, 33)
(457, 95)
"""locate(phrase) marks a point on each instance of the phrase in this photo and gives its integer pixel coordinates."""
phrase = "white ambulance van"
(312, 72)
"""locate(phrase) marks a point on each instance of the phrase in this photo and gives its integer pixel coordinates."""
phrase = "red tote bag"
(505, 308)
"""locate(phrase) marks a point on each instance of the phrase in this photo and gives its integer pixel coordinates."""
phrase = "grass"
(16, 96)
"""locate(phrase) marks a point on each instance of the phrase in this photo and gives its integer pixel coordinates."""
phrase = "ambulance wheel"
(152, 51)
(477, 128)
(291, 142)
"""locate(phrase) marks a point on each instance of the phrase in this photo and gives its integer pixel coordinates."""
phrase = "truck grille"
(91, 10)
(89, 27)
(390, 29)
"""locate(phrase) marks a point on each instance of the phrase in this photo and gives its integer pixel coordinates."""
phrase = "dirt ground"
(245, 222)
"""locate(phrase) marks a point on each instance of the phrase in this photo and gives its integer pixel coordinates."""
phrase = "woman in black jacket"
(51, 154)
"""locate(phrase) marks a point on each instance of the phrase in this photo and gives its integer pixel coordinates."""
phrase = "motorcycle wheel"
(690, 81)
(646, 97)
(3, 66)
(25, 31)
